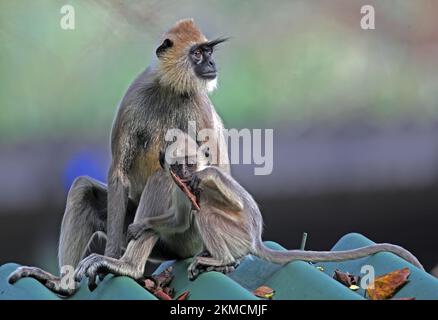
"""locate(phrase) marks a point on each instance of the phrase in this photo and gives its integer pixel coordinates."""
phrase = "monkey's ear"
(167, 43)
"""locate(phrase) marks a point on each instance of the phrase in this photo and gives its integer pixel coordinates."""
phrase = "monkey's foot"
(54, 283)
(97, 265)
(202, 264)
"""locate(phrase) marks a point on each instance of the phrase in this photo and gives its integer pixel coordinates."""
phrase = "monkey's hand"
(200, 179)
(97, 265)
(194, 183)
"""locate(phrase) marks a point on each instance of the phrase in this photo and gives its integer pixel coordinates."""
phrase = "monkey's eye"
(197, 55)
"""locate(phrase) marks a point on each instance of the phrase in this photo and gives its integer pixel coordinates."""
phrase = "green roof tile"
(296, 280)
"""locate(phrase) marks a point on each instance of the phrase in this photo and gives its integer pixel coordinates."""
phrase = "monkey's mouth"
(209, 75)
(182, 184)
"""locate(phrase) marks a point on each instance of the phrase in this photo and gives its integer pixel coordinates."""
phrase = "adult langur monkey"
(172, 91)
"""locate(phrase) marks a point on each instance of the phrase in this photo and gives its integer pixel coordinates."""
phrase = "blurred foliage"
(289, 60)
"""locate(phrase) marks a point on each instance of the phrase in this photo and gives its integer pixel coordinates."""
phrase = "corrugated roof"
(296, 280)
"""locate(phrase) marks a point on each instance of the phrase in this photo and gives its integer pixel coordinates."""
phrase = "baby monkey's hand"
(194, 183)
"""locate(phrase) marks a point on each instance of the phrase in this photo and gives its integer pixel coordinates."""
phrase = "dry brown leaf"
(164, 278)
(169, 291)
(183, 296)
(386, 286)
(159, 284)
(264, 292)
(346, 278)
(149, 284)
(160, 294)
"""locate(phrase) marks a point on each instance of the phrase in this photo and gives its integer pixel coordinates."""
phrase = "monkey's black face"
(201, 57)
(184, 170)
(203, 63)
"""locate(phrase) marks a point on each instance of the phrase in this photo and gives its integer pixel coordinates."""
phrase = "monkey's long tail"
(283, 257)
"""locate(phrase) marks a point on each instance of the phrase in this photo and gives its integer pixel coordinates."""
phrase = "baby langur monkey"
(230, 223)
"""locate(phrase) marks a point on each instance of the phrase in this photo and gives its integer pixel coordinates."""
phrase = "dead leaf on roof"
(264, 292)
(164, 278)
(169, 291)
(387, 285)
(183, 296)
(159, 284)
(150, 285)
(160, 294)
(347, 279)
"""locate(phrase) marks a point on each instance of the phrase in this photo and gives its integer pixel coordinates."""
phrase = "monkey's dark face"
(203, 63)
(201, 57)
(183, 170)
(187, 65)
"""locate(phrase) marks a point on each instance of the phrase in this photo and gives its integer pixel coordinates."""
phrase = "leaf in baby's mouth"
(385, 286)
(184, 188)
(264, 292)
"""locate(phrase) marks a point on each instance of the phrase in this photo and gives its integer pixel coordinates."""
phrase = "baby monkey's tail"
(283, 257)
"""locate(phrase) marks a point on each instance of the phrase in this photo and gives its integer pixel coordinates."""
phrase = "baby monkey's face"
(183, 174)
(184, 170)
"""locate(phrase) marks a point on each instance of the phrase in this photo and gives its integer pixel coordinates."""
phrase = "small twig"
(303, 241)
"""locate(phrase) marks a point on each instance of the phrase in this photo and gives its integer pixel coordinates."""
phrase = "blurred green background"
(286, 59)
(354, 112)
